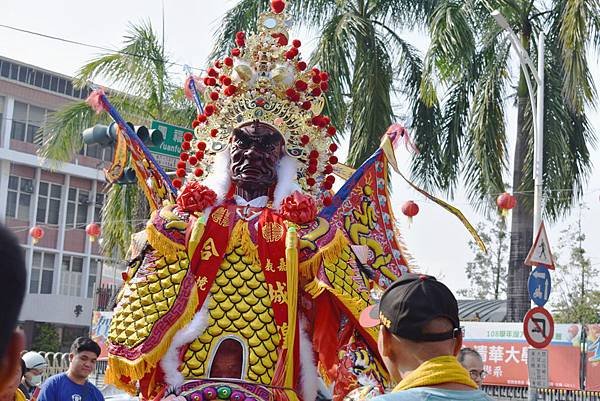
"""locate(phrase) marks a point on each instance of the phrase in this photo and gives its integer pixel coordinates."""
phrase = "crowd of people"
(420, 341)
(21, 375)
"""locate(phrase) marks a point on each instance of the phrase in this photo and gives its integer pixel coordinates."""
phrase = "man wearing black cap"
(419, 339)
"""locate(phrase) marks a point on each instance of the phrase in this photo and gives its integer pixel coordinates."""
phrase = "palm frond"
(335, 47)
(425, 115)
(572, 22)
(119, 220)
(452, 45)
(454, 128)
(426, 128)
(371, 110)
(138, 69)
(62, 132)
(486, 154)
(402, 13)
(567, 138)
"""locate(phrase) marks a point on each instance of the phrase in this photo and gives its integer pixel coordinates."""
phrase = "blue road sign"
(539, 285)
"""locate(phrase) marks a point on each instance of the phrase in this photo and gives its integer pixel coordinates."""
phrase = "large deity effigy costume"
(249, 284)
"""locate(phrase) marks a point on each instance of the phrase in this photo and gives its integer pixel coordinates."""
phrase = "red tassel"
(94, 100)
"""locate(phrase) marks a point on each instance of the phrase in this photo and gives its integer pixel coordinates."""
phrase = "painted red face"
(255, 151)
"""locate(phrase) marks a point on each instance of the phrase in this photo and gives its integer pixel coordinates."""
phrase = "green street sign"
(167, 153)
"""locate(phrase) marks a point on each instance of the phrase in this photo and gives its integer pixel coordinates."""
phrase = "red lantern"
(506, 202)
(37, 233)
(93, 230)
(410, 209)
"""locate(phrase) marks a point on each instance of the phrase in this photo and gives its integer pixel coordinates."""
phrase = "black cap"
(410, 303)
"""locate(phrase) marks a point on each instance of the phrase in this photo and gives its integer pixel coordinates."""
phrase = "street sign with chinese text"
(539, 285)
(167, 153)
(537, 367)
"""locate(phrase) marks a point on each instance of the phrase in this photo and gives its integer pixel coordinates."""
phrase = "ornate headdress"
(264, 79)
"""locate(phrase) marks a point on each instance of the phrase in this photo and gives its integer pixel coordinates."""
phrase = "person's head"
(418, 317)
(255, 149)
(35, 365)
(471, 361)
(12, 292)
(83, 356)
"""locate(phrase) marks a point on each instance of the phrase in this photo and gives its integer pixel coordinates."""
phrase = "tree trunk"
(522, 219)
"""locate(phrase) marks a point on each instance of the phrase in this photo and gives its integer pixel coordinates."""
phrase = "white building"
(64, 266)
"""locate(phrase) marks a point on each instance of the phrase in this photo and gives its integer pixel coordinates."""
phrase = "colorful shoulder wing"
(355, 238)
(352, 248)
(159, 297)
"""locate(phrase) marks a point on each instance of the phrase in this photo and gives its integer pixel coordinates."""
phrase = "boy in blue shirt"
(73, 385)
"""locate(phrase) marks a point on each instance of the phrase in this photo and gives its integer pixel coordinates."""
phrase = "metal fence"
(58, 362)
(105, 297)
(505, 393)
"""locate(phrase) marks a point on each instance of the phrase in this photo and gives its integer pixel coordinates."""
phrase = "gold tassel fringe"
(291, 256)
(160, 242)
(138, 368)
(329, 253)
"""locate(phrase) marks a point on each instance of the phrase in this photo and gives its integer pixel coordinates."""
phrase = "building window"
(1, 113)
(27, 120)
(71, 276)
(95, 269)
(46, 81)
(42, 273)
(5, 68)
(19, 197)
(98, 207)
(77, 208)
(48, 208)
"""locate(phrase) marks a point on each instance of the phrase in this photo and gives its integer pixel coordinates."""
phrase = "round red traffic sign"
(538, 327)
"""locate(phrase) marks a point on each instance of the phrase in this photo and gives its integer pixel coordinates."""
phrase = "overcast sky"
(436, 239)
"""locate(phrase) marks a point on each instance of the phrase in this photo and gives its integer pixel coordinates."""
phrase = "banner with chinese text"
(503, 349)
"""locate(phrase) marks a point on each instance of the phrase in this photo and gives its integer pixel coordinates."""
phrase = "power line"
(75, 42)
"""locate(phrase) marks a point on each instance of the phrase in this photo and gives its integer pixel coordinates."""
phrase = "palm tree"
(469, 58)
(145, 91)
(462, 137)
(366, 59)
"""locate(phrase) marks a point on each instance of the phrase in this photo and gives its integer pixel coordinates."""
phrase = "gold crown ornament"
(265, 79)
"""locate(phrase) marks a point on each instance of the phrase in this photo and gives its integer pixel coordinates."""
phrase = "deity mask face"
(255, 151)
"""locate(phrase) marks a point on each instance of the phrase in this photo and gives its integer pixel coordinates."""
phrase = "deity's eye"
(242, 141)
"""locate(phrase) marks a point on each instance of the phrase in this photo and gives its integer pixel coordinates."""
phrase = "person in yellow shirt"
(419, 338)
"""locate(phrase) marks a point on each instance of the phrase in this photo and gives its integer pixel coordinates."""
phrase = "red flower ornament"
(299, 208)
(196, 197)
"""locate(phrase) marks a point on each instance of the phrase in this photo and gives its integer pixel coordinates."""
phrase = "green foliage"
(468, 62)
(577, 300)
(367, 60)
(145, 91)
(45, 338)
(487, 271)
(470, 148)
